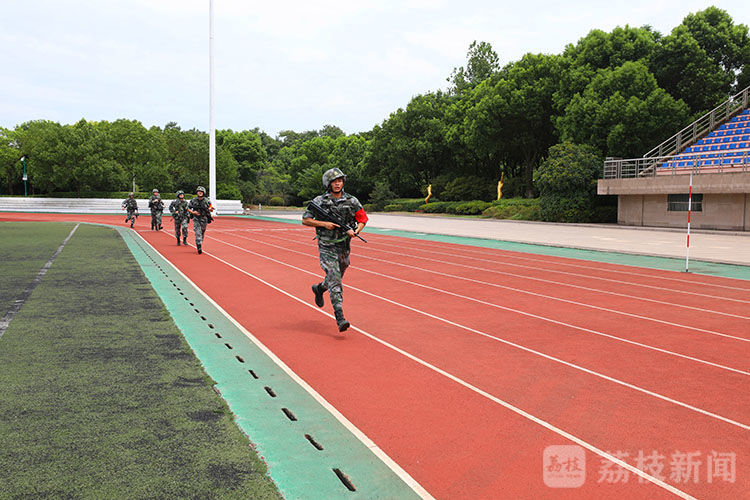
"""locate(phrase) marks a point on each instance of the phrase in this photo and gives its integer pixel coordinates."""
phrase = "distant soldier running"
(131, 206)
(179, 210)
(200, 207)
(334, 243)
(157, 208)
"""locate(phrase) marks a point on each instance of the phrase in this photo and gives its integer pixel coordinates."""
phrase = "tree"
(10, 166)
(136, 148)
(622, 112)
(509, 120)
(410, 148)
(700, 60)
(482, 63)
(41, 142)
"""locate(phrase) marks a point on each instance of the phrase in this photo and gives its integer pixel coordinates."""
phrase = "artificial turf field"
(100, 395)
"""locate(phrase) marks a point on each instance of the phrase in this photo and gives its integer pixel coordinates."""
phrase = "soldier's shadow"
(323, 326)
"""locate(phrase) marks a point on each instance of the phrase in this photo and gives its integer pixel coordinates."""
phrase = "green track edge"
(735, 271)
(300, 470)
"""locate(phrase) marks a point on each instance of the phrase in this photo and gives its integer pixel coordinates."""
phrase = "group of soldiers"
(199, 209)
(334, 241)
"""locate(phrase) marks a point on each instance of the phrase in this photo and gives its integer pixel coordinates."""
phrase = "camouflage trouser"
(334, 260)
(131, 215)
(181, 223)
(199, 228)
(156, 218)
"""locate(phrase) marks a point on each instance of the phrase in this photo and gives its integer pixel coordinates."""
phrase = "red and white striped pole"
(690, 208)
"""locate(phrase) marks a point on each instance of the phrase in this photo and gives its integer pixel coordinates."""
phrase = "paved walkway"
(712, 246)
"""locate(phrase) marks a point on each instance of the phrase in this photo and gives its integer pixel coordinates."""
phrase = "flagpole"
(211, 125)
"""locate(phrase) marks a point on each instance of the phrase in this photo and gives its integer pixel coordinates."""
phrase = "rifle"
(327, 216)
(204, 212)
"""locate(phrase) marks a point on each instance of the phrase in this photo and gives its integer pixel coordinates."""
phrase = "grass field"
(101, 396)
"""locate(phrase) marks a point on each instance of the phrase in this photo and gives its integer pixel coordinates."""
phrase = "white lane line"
(497, 285)
(467, 385)
(510, 254)
(501, 262)
(562, 283)
(24, 296)
(369, 443)
(507, 342)
(531, 315)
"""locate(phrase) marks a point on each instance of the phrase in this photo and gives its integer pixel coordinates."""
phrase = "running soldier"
(157, 208)
(179, 210)
(200, 207)
(334, 243)
(132, 208)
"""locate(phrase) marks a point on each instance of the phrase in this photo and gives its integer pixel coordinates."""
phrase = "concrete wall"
(720, 211)
(738, 182)
(643, 201)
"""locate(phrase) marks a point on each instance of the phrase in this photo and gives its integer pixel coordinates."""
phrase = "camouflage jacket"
(345, 207)
(130, 204)
(178, 209)
(200, 206)
(155, 204)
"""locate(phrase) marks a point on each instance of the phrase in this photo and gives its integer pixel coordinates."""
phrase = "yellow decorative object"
(429, 194)
(500, 186)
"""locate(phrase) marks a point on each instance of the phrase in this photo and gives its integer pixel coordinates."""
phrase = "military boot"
(341, 321)
(200, 251)
(318, 291)
(178, 241)
(184, 240)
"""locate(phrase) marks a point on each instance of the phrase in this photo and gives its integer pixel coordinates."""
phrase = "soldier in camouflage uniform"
(132, 208)
(157, 208)
(200, 207)
(334, 243)
(179, 210)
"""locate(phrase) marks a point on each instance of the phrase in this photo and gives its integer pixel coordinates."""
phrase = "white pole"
(690, 208)
(211, 125)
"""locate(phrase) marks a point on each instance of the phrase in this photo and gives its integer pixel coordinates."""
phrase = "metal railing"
(685, 163)
(702, 126)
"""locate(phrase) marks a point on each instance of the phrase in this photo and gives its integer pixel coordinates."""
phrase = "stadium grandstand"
(715, 149)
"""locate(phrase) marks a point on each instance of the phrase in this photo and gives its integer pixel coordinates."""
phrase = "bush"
(409, 204)
(370, 207)
(276, 201)
(469, 188)
(121, 195)
(576, 208)
(566, 181)
(438, 207)
(227, 192)
(393, 207)
(381, 195)
(515, 209)
(475, 207)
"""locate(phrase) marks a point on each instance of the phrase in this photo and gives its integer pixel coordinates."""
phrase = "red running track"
(465, 363)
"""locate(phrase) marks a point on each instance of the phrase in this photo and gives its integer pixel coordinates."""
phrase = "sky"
(279, 65)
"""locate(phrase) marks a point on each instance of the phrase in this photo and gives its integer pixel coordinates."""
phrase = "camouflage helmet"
(131, 194)
(331, 175)
(155, 190)
(178, 193)
(200, 188)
